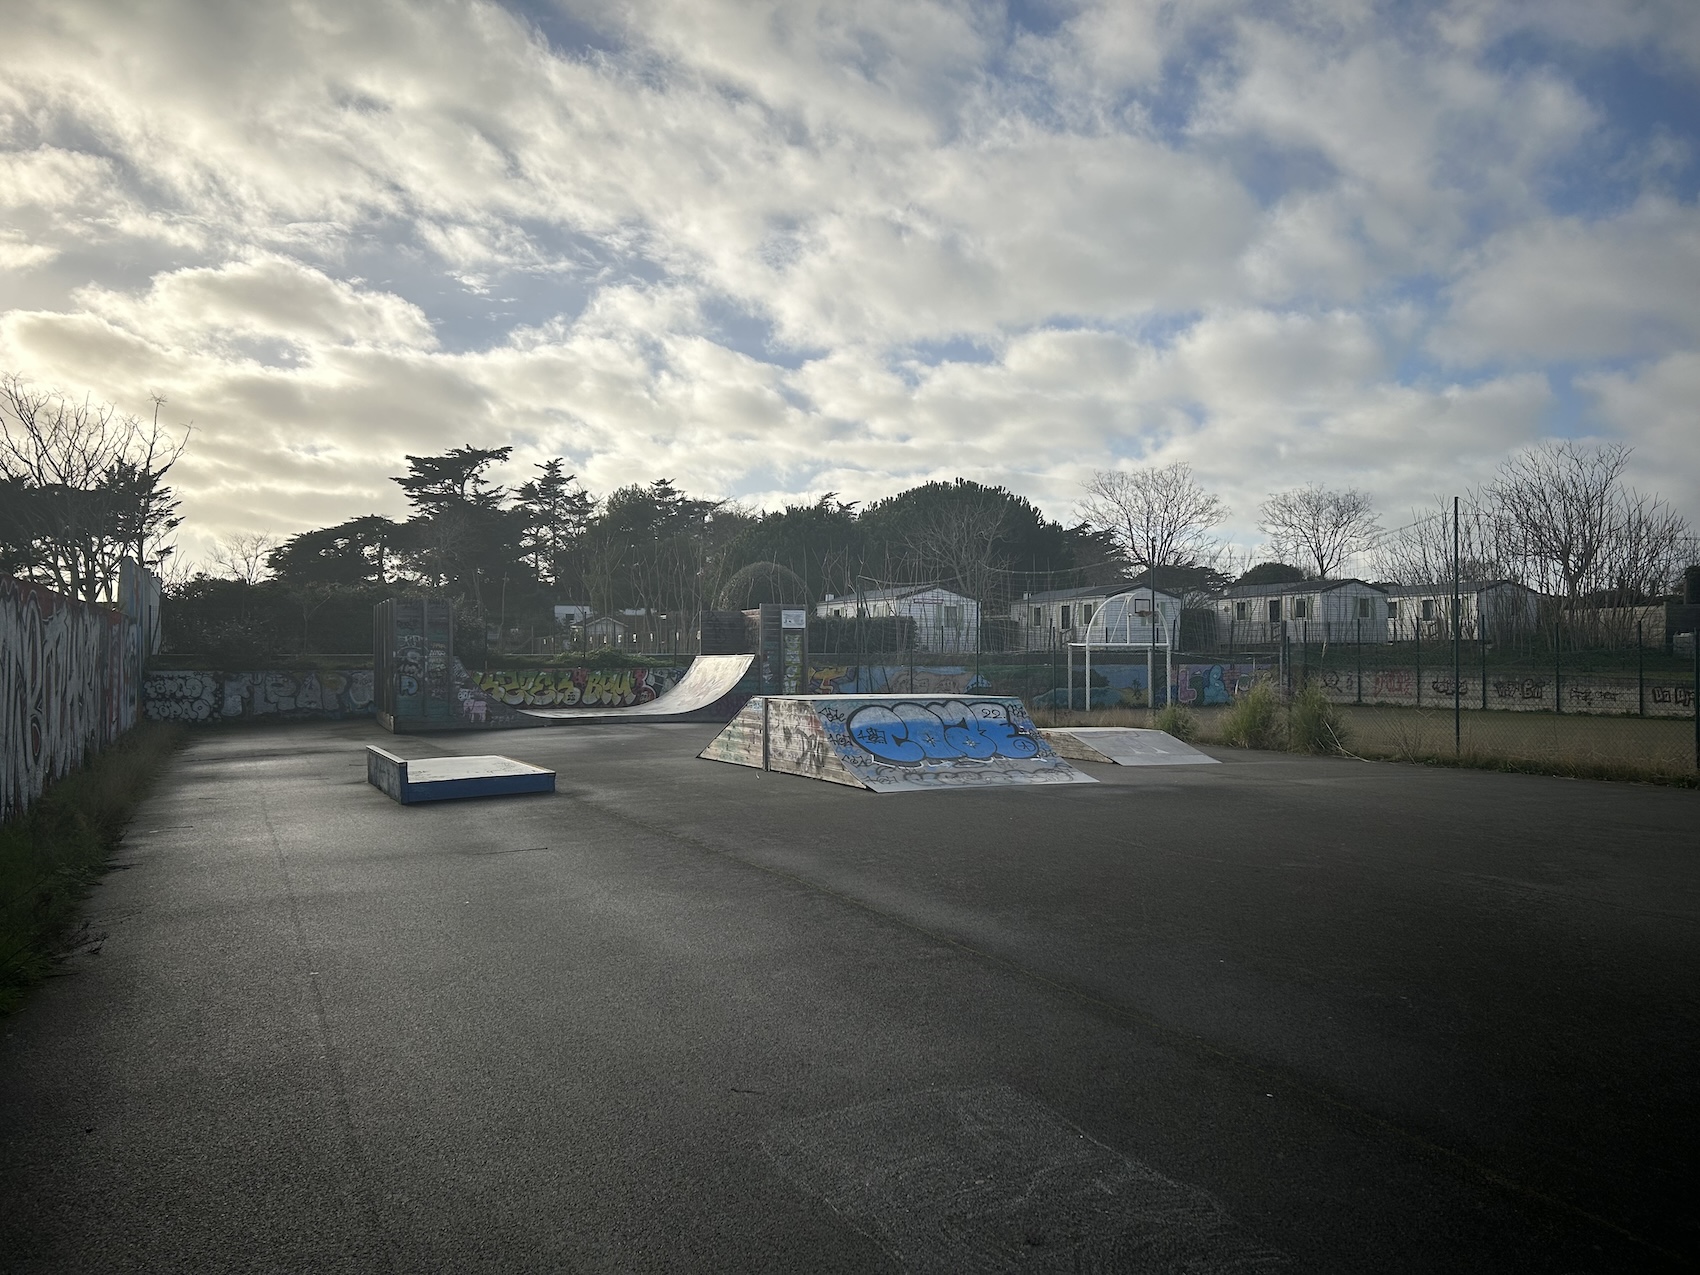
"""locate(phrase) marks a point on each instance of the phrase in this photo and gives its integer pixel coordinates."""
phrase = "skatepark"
(1274, 1013)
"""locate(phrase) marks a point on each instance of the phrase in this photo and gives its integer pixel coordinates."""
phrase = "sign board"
(793, 619)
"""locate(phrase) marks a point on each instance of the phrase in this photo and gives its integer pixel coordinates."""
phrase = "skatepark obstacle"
(446, 778)
(713, 689)
(1124, 746)
(894, 743)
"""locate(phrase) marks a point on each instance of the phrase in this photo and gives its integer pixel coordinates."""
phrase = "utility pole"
(1457, 642)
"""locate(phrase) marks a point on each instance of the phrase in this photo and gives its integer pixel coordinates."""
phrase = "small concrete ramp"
(712, 690)
(894, 743)
(1124, 746)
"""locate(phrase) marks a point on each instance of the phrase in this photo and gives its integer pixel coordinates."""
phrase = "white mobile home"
(1059, 616)
(944, 620)
(1305, 610)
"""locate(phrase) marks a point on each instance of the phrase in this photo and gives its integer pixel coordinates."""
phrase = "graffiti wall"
(212, 696)
(64, 687)
(1529, 693)
(481, 698)
(495, 697)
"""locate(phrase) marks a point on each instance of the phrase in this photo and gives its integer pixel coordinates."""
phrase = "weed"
(1315, 724)
(1256, 720)
(53, 853)
(1179, 721)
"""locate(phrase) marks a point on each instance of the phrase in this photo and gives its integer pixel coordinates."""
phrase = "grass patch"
(1179, 721)
(1314, 724)
(1258, 719)
(52, 854)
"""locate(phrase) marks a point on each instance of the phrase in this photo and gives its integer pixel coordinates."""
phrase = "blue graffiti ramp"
(1124, 746)
(894, 743)
(447, 778)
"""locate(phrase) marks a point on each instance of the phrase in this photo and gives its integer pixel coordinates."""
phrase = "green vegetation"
(52, 855)
(1314, 723)
(1257, 720)
(1179, 721)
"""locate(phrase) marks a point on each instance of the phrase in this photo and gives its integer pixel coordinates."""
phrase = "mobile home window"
(1275, 611)
(952, 616)
(1242, 610)
(1363, 608)
(1428, 608)
(1064, 620)
(1086, 613)
(1038, 617)
(1301, 608)
(1393, 608)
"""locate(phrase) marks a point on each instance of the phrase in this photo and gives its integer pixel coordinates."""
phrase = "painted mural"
(1514, 692)
(481, 698)
(214, 696)
(65, 688)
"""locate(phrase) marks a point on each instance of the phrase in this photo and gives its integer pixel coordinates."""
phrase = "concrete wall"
(65, 688)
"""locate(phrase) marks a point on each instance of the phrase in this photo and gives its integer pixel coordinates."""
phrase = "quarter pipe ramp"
(894, 743)
(712, 690)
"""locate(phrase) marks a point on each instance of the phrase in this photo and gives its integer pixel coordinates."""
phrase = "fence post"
(1557, 675)
(1481, 640)
(1696, 632)
(1640, 674)
(1360, 650)
(1417, 646)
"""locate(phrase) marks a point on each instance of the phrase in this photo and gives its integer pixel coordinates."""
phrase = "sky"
(774, 250)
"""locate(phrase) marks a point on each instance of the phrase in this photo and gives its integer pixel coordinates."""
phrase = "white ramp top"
(1124, 746)
(709, 679)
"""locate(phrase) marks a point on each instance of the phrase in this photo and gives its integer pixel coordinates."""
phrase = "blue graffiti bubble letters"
(911, 733)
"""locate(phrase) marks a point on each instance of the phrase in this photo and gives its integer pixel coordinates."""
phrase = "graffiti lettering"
(64, 687)
(1394, 682)
(909, 734)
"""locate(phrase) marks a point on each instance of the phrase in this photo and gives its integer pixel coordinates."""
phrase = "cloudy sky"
(774, 250)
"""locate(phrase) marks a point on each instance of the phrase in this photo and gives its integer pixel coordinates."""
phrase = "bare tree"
(1421, 551)
(1322, 526)
(83, 486)
(1159, 516)
(1576, 530)
(960, 544)
(243, 556)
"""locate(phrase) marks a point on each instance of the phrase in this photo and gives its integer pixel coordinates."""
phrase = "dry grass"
(1654, 750)
(53, 854)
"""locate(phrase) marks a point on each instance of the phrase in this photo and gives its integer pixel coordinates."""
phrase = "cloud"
(777, 249)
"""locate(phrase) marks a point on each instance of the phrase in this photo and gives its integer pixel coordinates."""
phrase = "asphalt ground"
(1278, 1014)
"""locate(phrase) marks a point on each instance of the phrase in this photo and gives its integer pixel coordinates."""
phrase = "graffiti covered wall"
(214, 696)
(1515, 692)
(486, 698)
(64, 687)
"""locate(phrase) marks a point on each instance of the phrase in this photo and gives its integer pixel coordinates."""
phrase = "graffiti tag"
(909, 734)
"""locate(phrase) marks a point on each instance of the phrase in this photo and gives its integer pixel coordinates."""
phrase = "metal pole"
(1151, 656)
(1086, 651)
(1417, 646)
(1360, 650)
(1457, 642)
(1640, 674)
(1071, 677)
(1557, 674)
(1696, 632)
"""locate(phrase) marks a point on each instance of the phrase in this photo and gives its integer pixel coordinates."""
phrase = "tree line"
(82, 485)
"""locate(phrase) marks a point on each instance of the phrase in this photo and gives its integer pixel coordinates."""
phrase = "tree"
(244, 556)
(359, 551)
(554, 512)
(1273, 573)
(1573, 528)
(81, 486)
(1159, 516)
(461, 536)
(1320, 525)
